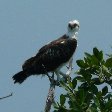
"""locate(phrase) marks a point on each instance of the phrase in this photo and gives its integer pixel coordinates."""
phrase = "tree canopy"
(89, 90)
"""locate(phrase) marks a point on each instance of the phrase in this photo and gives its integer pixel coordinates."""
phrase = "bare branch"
(50, 97)
(6, 96)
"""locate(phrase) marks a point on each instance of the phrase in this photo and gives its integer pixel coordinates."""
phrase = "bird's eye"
(75, 25)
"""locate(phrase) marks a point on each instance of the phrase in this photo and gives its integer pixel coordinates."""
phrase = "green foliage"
(88, 91)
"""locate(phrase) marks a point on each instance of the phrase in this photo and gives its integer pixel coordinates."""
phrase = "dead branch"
(6, 96)
(50, 97)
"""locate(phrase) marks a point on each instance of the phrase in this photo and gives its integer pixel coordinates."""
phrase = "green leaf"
(97, 81)
(109, 82)
(74, 83)
(80, 63)
(65, 86)
(62, 109)
(56, 106)
(96, 101)
(81, 95)
(94, 60)
(109, 62)
(92, 109)
(88, 55)
(88, 58)
(95, 51)
(104, 90)
(108, 106)
(70, 84)
(98, 54)
(85, 73)
(101, 55)
(81, 79)
(108, 97)
(94, 89)
(62, 99)
(84, 86)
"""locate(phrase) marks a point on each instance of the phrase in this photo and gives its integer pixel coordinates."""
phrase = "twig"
(6, 96)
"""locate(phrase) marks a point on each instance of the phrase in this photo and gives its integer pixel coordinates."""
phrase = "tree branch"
(6, 96)
(50, 97)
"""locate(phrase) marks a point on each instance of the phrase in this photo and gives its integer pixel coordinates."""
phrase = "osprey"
(51, 57)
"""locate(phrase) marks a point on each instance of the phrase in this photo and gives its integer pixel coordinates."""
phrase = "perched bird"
(51, 57)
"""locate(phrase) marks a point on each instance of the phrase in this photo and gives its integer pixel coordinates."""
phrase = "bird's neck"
(72, 34)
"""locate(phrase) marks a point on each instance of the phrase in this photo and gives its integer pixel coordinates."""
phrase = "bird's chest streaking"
(54, 55)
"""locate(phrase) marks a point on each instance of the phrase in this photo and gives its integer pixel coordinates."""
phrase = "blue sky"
(26, 25)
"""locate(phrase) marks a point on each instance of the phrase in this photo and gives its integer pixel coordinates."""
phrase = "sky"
(26, 25)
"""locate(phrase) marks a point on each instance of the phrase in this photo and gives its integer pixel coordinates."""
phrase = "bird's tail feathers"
(20, 77)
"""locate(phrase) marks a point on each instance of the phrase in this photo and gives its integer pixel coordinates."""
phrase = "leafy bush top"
(82, 92)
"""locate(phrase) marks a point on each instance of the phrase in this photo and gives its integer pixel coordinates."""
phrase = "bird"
(52, 56)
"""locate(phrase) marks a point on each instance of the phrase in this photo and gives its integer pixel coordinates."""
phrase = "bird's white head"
(73, 28)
